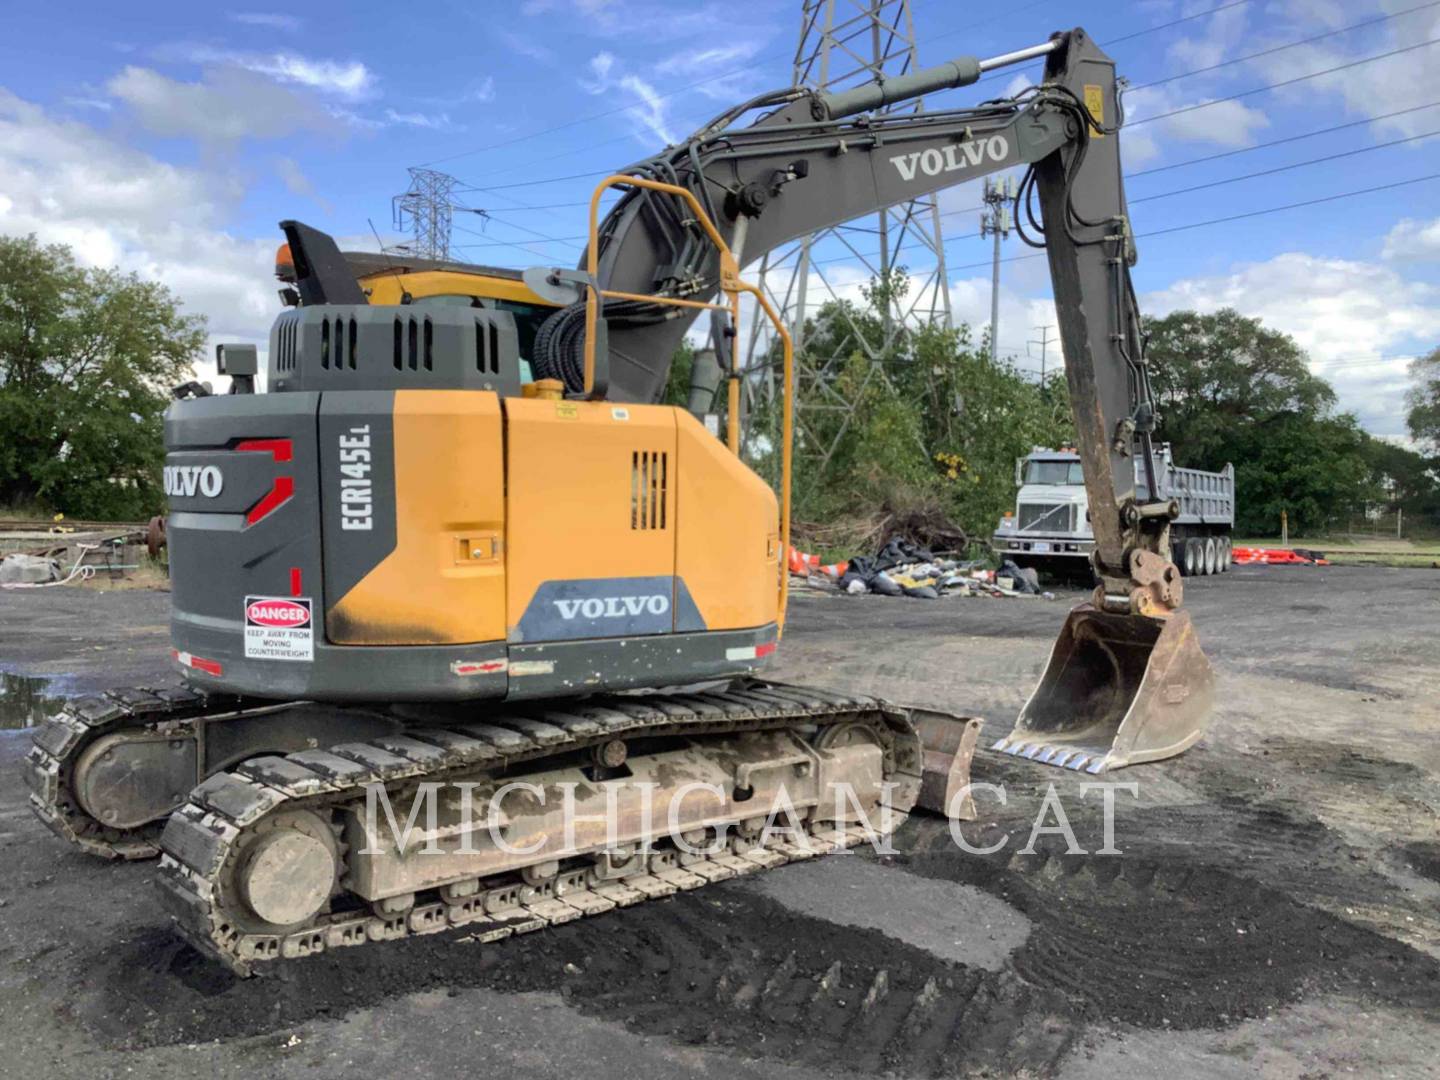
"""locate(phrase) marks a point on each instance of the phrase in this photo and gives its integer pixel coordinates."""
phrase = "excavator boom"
(1107, 699)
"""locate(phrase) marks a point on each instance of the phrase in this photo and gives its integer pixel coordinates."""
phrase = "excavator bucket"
(948, 746)
(1120, 689)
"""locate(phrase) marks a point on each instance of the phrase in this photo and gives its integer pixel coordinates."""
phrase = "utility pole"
(995, 219)
(1044, 344)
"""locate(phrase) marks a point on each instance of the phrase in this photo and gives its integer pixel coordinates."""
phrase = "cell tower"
(424, 212)
(844, 43)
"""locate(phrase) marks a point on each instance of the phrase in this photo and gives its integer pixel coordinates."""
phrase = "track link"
(49, 768)
(204, 838)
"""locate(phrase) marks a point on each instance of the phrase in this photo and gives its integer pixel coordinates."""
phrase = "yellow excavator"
(455, 558)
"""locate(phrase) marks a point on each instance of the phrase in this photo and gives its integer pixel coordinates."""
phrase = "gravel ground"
(1275, 909)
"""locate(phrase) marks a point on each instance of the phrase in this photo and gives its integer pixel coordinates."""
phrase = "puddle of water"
(28, 700)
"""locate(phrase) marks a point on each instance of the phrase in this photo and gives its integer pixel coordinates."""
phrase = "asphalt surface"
(1275, 908)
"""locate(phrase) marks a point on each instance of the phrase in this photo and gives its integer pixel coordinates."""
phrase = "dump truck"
(453, 556)
(1049, 528)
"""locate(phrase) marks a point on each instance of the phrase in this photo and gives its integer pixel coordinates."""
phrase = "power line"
(1286, 168)
(690, 86)
(1283, 82)
(1195, 225)
(1246, 150)
(522, 245)
(1240, 217)
(702, 82)
(1129, 124)
(1276, 142)
(1201, 187)
(1290, 45)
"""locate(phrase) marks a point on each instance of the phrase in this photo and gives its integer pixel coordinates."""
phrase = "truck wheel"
(1187, 565)
(1211, 563)
(1225, 555)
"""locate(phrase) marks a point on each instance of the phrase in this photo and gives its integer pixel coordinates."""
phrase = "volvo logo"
(187, 481)
(613, 607)
(966, 155)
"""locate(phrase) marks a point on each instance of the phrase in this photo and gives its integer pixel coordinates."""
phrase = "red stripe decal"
(295, 588)
(279, 449)
(283, 488)
(764, 650)
(209, 667)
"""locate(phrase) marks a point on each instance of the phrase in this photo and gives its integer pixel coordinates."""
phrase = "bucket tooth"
(1119, 689)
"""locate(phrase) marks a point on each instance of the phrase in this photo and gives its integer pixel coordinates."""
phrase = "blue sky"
(170, 138)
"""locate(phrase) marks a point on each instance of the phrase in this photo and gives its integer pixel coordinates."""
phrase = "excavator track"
(298, 799)
(49, 768)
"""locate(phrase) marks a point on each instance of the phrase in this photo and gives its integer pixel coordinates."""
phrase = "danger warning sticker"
(279, 628)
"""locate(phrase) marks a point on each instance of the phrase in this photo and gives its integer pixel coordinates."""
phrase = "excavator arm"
(1127, 681)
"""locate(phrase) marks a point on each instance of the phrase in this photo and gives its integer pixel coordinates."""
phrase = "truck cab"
(1050, 526)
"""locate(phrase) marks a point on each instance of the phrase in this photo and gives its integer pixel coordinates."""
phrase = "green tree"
(928, 425)
(1230, 390)
(1313, 468)
(1216, 374)
(86, 359)
(1423, 419)
(1407, 481)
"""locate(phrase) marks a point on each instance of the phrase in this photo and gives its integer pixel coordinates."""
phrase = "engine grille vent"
(1047, 517)
(337, 344)
(487, 348)
(286, 332)
(331, 347)
(649, 477)
(414, 344)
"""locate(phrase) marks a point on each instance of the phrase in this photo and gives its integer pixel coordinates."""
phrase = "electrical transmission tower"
(424, 212)
(844, 43)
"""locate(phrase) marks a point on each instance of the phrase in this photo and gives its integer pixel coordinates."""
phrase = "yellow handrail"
(732, 286)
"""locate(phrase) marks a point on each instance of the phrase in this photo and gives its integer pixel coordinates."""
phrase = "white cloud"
(689, 61)
(225, 105)
(649, 113)
(719, 73)
(1020, 316)
(1346, 314)
(99, 104)
(430, 121)
(295, 181)
(484, 90)
(1397, 82)
(1215, 38)
(1148, 123)
(652, 21)
(348, 80)
(268, 20)
(524, 46)
(115, 206)
(1413, 240)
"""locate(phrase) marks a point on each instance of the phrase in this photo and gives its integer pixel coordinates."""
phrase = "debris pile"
(904, 568)
(23, 569)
